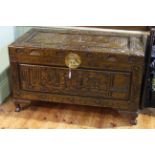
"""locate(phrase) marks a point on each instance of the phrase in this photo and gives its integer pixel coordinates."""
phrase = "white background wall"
(19, 30)
(6, 37)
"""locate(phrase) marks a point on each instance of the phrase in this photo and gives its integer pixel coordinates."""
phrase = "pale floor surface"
(70, 116)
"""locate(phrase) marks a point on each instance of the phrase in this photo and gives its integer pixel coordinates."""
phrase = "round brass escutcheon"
(72, 60)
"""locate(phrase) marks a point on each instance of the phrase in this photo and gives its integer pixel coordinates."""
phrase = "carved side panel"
(89, 83)
(136, 85)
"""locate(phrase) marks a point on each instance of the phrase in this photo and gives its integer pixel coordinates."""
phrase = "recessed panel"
(89, 83)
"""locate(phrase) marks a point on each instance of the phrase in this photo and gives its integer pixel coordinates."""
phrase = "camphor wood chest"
(86, 67)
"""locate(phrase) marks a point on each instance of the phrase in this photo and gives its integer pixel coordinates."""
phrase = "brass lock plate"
(72, 60)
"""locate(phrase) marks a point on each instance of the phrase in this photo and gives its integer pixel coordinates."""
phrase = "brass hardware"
(72, 61)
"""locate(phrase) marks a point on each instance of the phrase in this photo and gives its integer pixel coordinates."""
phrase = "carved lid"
(111, 41)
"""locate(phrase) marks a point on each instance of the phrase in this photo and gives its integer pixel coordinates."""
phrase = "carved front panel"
(90, 83)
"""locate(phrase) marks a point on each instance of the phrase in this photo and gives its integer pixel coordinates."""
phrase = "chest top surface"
(83, 40)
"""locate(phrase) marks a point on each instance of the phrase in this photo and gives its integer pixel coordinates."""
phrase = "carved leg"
(134, 116)
(18, 108)
(133, 121)
(131, 115)
(21, 104)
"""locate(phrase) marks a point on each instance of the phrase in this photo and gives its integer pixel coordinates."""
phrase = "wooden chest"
(96, 68)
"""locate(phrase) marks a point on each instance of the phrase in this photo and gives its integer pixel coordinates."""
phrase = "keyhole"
(70, 73)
